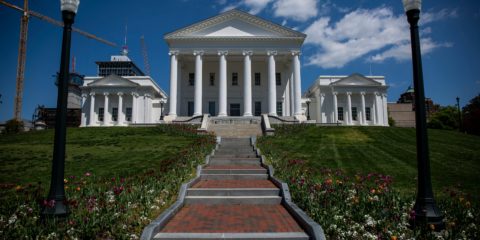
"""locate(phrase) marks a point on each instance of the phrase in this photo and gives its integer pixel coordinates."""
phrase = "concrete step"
(237, 155)
(234, 176)
(234, 161)
(234, 171)
(232, 200)
(233, 192)
(237, 236)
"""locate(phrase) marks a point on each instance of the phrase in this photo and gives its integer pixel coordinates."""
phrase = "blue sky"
(344, 37)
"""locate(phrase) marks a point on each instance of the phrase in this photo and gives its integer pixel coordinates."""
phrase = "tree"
(471, 116)
(444, 118)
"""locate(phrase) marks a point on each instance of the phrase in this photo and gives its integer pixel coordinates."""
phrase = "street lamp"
(56, 201)
(459, 115)
(426, 211)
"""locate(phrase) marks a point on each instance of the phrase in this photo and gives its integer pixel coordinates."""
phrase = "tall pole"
(459, 115)
(425, 208)
(56, 206)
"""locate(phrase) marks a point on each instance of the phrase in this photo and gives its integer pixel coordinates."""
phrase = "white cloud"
(403, 51)
(229, 7)
(362, 32)
(298, 10)
(431, 16)
(256, 6)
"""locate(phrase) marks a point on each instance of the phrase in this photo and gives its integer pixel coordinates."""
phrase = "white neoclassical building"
(121, 95)
(235, 64)
(349, 100)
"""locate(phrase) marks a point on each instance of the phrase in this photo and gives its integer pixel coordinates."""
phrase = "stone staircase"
(233, 199)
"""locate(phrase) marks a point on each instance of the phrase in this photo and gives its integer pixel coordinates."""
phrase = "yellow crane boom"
(22, 49)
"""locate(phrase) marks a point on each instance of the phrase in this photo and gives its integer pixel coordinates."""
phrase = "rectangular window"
(340, 113)
(212, 80)
(234, 79)
(367, 113)
(279, 109)
(235, 109)
(191, 79)
(257, 79)
(278, 79)
(354, 113)
(258, 108)
(100, 114)
(114, 114)
(128, 114)
(190, 108)
(211, 108)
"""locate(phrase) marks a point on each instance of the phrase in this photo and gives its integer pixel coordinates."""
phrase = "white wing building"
(349, 100)
(235, 64)
(121, 95)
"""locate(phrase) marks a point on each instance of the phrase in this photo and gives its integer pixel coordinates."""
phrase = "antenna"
(73, 64)
(125, 46)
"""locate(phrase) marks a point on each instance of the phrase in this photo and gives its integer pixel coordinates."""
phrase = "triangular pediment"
(234, 23)
(356, 80)
(113, 81)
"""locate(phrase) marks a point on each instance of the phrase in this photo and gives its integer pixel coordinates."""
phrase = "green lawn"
(455, 157)
(105, 152)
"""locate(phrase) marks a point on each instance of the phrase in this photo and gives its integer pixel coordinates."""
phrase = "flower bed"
(115, 207)
(364, 206)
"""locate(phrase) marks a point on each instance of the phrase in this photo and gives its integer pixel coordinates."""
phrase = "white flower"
(12, 219)
(155, 207)
(133, 236)
(150, 191)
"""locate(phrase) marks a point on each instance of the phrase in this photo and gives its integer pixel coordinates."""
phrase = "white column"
(292, 93)
(385, 110)
(147, 106)
(222, 95)
(377, 109)
(106, 114)
(247, 84)
(198, 83)
(364, 113)
(134, 107)
(121, 116)
(297, 77)
(92, 109)
(272, 88)
(173, 84)
(319, 106)
(322, 98)
(83, 121)
(335, 107)
(349, 108)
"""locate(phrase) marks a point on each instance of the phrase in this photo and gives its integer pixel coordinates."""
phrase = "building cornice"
(232, 14)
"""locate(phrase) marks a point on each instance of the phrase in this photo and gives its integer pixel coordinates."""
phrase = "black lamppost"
(56, 205)
(459, 115)
(426, 211)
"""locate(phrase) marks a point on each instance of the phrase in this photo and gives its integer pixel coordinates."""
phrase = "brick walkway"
(234, 184)
(231, 200)
(232, 218)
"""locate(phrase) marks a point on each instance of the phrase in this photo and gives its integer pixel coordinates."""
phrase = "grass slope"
(455, 157)
(27, 157)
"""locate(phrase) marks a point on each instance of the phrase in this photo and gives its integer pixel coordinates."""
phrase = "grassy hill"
(455, 157)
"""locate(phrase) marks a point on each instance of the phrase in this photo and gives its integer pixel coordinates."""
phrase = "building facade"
(349, 100)
(235, 64)
(121, 100)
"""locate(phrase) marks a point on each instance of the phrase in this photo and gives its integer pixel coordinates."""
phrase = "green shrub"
(13, 126)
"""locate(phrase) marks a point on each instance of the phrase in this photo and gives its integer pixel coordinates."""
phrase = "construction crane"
(22, 49)
(145, 55)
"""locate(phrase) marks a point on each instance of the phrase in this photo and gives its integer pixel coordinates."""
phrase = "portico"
(235, 64)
